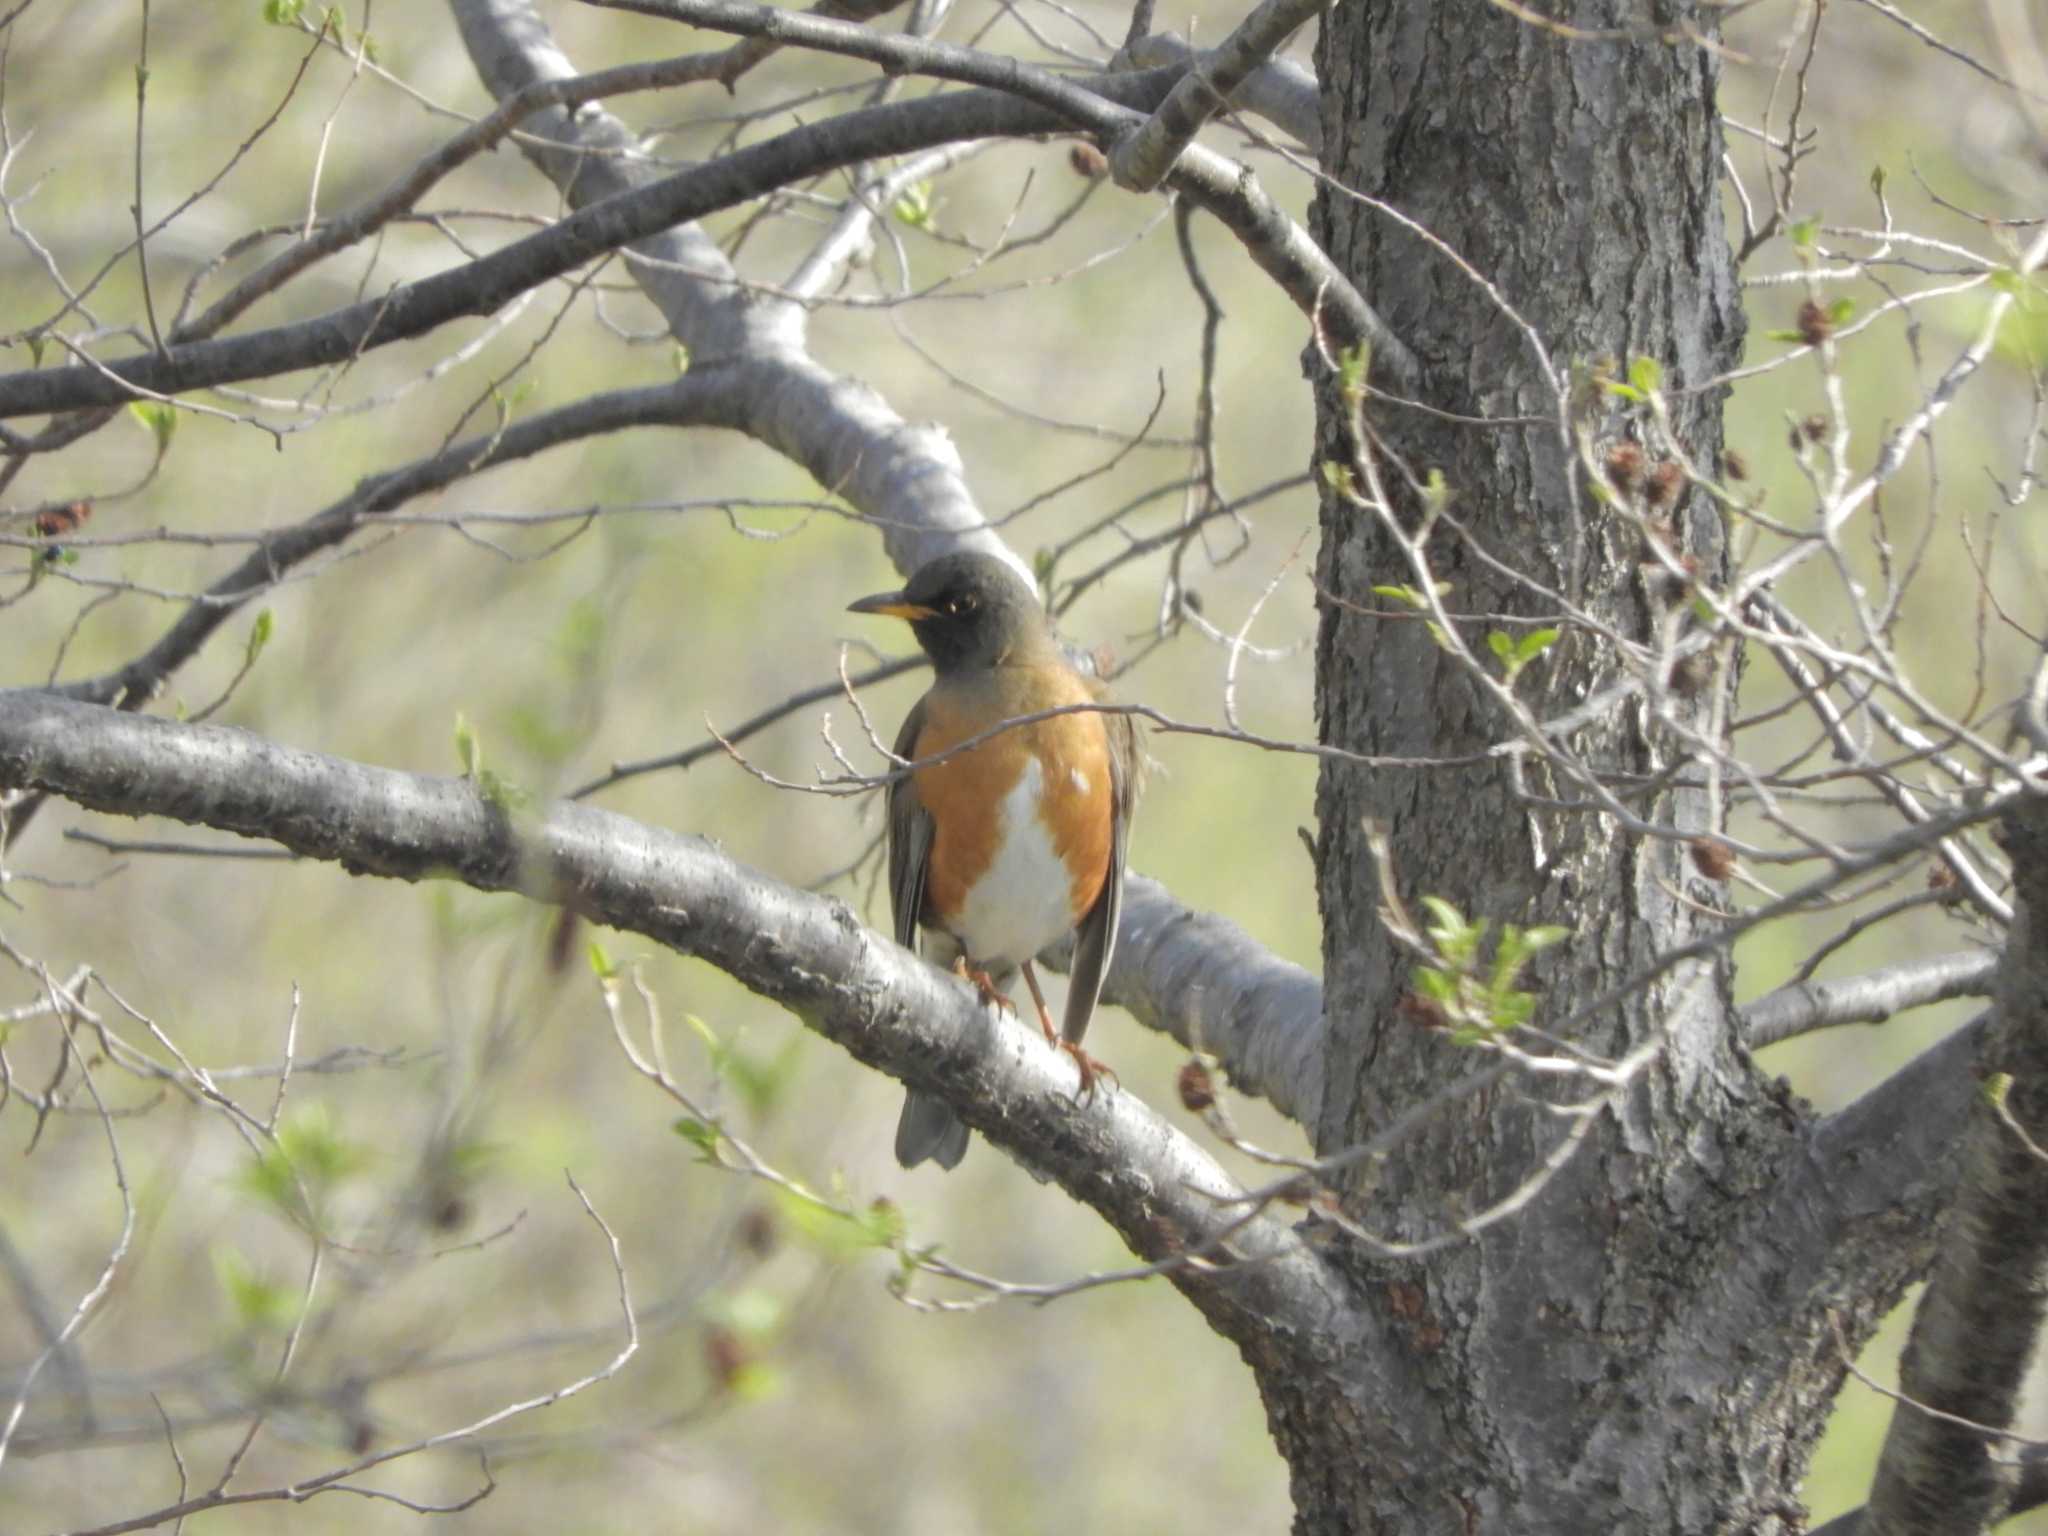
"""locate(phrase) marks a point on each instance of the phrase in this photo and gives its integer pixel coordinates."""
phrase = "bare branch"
(806, 952)
(1280, 91)
(1871, 999)
(1142, 158)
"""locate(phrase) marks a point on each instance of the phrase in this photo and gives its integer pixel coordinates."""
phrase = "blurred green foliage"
(779, 1385)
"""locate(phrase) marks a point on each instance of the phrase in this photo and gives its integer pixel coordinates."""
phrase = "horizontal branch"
(809, 953)
(1109, 107)
(1871, 999)
(481, 286)
(699, 398)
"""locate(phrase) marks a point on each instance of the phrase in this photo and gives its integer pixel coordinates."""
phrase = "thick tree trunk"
(1602, 1361)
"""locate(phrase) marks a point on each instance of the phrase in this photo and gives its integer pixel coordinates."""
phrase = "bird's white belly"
(1021, 902)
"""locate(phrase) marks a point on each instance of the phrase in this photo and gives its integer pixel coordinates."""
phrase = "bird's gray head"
(966, 609)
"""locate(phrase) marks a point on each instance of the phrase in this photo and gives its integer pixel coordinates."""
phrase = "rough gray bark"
(1976, 1329)
(1645, 1350)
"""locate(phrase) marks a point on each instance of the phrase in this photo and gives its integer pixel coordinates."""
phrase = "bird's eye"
(964, 603)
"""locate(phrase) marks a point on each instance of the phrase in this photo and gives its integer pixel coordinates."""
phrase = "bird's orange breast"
(1061, 766)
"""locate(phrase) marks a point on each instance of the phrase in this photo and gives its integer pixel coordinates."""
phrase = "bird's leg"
(1052, 1036)
(985, 984)
(1090, 1068)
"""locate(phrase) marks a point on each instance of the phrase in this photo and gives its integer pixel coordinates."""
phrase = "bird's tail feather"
(929, 1129)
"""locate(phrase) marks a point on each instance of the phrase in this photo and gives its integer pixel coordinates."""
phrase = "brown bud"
(1712, 857)
(725, 1356)
(52, 521)
(1814, 325)
(1197, 1087)
(1690, 675)
(1625, 468)
(1734, 465)
(1088, 161)
(1942, 879)
(1419, 1010)
(1665, 482)
(450, 1213)
(757, 1233)
(1814, 427)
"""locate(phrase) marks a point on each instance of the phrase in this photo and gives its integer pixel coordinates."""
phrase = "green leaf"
(161, 419)
(282, 13)
(1646, 374)
(1438, 986)
(1802, 232)
(259, 637)
(601, 962)
(1498, 642)
(256, 1302)
(468, 751)
(269, 1179)
(754, 1382)
(317, 1148)
(1841, 311)
(1448, 918)
(1436, 492)
(503, 793)
(838, 1234)
(1337, 476)
(1534, 644)
(1412, 596)
(1548, 936)
(700, 1134)
(1508, 956)
(1352, 366)
(914, 206)
(1622, 391)
(884, 1224)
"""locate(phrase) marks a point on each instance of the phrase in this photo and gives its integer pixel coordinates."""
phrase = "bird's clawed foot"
(985, 984)
(1090, 1069)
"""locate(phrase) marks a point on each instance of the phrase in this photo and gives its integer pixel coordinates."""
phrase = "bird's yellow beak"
(893, 605)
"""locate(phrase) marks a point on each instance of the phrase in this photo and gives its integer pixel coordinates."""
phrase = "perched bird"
(1003, 849)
